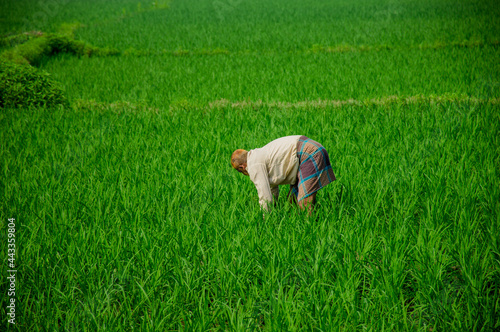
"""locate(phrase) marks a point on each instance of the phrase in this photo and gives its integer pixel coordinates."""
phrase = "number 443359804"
(11, 246)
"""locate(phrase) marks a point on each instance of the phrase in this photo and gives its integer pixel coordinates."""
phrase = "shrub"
(24, 86)
(32, 51)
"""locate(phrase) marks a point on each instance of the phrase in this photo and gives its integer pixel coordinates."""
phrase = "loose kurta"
(274, 164)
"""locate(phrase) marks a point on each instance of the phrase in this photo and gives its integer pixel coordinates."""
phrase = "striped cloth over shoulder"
(315, 170)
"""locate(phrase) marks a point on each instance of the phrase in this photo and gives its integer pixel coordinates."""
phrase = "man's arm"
(260, 178)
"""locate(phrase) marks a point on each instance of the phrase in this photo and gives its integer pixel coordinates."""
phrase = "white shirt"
(274, 164)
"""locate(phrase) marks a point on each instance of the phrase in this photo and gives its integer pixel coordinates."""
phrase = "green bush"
(11, 41)
(24, 86)
(32, 51)
(21, 84)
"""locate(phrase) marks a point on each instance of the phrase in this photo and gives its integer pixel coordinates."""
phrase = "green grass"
(163, 80)
(299, 51)
(204, 51)
(259, 24)
(135, 219)
(129, 216)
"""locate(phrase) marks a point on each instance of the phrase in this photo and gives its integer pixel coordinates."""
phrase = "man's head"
(239, 161)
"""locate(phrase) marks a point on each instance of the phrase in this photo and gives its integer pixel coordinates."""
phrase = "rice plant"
(130, 217)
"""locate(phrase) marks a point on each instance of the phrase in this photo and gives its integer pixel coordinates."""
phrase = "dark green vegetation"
(23, 86)
(129, 216)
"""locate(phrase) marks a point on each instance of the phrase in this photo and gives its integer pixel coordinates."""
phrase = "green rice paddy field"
(128, 215)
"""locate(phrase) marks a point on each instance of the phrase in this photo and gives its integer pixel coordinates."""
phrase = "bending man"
(295, 160)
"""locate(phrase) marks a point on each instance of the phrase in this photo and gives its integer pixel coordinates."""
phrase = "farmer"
(295, 160)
